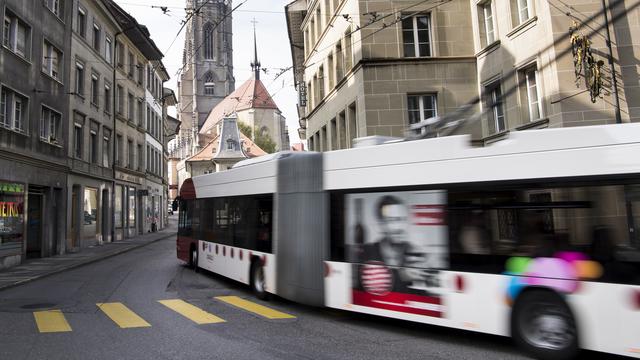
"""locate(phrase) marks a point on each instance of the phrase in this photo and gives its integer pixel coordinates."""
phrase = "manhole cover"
(38, 306)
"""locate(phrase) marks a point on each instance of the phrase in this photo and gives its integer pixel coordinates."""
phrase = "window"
(51, 60)
(421, 107)
(140, 72)
(140, 157)
(119, 150)
(520, 11)
(81, 22)
(529, 88)
(330, 68)
(120, 99)
(108, 55)
(13, 110)
(496, 107)
(118, 212)
(348, 54)
(107, 98)
(77, 140)
(97, 38)
(132, 64)
(79, 79)
(131, 154)
(49, 125)
(485, 14)
(140, 113)
(416, 36)
(132, 207)
(320, 83)
(54, 6)
(207, 35)
(339, 62)
(93, 143)
(106, 144)
(131, 114)
(209, 84)
(120, 53)
(318, 22)
(148, 158)
(17, 35)
(95, 90)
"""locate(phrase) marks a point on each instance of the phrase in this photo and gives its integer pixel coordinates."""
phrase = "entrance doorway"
(34, 223)
(75, 215)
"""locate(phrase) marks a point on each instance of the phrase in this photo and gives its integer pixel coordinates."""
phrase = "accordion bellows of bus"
(534, 237)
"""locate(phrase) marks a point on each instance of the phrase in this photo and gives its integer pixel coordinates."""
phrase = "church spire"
(255, 65)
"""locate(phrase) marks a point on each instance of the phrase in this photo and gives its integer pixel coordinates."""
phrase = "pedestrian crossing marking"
(51, 321)
(191, 312)
(255, 308)
(122, 316)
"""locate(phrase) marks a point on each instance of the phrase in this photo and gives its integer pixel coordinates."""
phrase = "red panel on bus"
(187, 191)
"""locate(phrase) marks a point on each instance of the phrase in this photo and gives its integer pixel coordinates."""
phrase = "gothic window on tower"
(209, 84)
(208, 41)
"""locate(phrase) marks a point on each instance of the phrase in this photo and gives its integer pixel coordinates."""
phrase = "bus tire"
(543, 325)
(193, 258)
(257, 280)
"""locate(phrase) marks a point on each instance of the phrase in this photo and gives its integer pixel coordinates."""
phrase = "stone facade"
(34, 113)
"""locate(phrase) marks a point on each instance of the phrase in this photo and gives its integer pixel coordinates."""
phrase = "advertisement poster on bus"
(397, 243)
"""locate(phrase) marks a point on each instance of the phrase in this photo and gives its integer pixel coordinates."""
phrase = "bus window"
(208, 213)
(264, 229)
(598, 222)
(221, 221)
(337, 217)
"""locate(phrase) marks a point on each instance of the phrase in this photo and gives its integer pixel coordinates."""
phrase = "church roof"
(250, 95)
(207, 153)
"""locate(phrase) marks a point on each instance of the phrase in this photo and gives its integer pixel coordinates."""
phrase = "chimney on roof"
(255, 65)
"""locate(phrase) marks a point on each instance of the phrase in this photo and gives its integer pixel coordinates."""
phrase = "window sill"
(495, 137)
(23, 58)
(56, 144)
(536, 124)
(95, 106)
(16, 131)
(522, 28)
(489, 48)
(53, 13)
(52, 78)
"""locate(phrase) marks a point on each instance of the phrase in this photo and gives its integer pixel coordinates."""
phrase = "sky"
(274, 52)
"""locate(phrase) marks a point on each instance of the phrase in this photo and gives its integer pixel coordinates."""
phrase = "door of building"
(75, 196)
(34, 224)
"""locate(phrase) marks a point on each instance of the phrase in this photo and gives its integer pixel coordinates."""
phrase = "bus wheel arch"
(543, 324)
(257, 279)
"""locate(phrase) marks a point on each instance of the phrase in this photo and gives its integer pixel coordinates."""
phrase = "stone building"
(400, 62)
(362, 75)
(525, 61)
(91, 128)
(34, 113)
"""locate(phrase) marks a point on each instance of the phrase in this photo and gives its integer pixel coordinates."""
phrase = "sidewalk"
(34, 269)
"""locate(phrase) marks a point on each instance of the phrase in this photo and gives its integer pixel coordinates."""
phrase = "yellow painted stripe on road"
(255, 308)
(122, 316)
(51, 321)
(191, 312)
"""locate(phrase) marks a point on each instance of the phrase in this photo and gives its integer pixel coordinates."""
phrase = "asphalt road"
(140, 278)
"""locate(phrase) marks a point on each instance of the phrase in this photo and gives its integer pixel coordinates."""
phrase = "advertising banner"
(397, 243)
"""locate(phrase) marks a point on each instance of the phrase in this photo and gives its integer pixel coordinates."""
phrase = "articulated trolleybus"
(534, 237)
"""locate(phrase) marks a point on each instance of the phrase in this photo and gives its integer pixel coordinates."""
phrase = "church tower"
(206, 76)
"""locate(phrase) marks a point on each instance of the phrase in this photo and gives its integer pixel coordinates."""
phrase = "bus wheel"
(193, 258)
(543, 325)
(258, 280)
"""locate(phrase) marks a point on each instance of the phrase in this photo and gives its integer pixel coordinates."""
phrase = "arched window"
(231, 144)
(207, 36)
(209, 84)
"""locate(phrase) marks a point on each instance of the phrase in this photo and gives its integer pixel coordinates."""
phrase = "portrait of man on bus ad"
(397, 243)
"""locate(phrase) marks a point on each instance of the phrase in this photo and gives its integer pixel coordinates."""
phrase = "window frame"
(422, 106)
(10, 37)
(495, 106)
(47, 126)
(47, 60)
(415, 36)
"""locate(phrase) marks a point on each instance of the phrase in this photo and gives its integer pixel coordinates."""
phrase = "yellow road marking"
(255, 308)
(51, 321)
(122, 316)
(191, 312)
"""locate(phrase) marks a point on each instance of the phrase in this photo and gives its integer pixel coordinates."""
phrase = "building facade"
(362, 75)
(91, 128)
(401, 62)
(34, 113)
